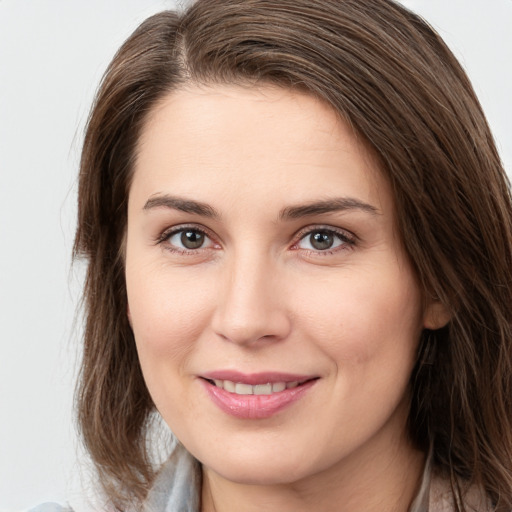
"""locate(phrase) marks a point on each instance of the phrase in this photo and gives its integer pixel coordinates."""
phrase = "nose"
(251, 306)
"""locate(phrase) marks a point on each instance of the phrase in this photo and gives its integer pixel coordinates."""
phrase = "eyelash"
(347, 239)
(167, 234)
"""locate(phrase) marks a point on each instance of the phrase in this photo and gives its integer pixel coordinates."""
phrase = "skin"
(259, 296)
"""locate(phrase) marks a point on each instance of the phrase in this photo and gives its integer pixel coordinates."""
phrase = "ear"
(436, 315)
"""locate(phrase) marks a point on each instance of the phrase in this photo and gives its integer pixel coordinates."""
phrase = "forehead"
(213, 114)
(256, 138)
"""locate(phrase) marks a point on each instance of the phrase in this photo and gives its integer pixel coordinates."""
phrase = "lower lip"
(255, 406)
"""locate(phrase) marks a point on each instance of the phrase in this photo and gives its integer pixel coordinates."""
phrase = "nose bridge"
(250, 305)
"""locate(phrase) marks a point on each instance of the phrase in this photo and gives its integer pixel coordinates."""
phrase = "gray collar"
(177, 487)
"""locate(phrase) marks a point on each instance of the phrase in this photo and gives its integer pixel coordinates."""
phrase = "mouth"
(255, 396)
(269, 388)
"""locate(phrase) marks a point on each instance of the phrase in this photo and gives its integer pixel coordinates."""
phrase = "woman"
(299, 238)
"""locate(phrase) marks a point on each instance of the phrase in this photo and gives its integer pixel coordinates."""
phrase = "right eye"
(187, 239)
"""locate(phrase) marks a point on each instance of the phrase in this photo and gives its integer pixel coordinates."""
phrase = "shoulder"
(51, 507)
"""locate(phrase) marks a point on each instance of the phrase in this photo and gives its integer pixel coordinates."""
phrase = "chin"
(261, 468)
(267, 474)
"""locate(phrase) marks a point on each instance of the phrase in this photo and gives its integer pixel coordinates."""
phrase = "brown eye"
(321, 240)
(187, 239)
(192, 239)
(318, 240)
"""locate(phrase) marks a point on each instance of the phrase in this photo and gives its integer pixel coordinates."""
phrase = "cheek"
(167, 313)
(365, 318)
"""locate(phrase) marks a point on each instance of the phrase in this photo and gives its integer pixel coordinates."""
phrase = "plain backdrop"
(52, 55)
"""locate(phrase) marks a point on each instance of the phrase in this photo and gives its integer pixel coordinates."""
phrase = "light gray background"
(52, 55)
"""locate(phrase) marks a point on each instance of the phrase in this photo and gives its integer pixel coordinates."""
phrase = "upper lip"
(255, 378)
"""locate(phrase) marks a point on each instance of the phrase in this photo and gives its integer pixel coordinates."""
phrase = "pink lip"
(255, 406)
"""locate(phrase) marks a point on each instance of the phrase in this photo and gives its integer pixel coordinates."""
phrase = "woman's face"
(275, 313)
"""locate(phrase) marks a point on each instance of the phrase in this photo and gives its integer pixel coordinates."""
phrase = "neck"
(368, 482)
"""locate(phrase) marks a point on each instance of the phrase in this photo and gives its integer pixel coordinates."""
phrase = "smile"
(240, 388)
(256, 396)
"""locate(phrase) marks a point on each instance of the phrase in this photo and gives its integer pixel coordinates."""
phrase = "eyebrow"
(183, 205)
(326, 206)
(288, 213)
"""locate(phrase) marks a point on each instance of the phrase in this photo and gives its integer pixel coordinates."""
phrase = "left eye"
(188, 239)
(321, 240)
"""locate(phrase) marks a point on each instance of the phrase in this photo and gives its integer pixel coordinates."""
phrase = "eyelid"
(348, 237)
(163, 237)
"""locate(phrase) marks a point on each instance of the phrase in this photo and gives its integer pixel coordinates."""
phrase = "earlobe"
(437, 315)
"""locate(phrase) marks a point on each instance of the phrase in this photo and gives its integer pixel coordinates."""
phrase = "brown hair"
(387, 73)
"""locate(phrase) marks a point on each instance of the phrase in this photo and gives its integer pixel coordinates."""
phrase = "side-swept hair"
(391, 77)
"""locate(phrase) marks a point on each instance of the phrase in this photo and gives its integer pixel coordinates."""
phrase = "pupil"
(322, 240)
(192, 239)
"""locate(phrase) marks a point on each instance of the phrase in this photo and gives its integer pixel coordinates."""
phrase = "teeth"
(229, 386)
(240, 388)
(243, 389)
(278, 386)
(262, 389)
